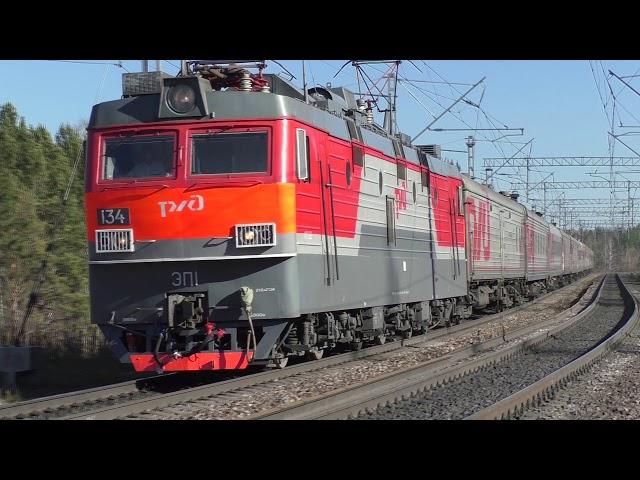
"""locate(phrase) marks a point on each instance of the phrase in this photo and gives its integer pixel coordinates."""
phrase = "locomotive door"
(468, 205)
(329, 240)
(455, 199)
(501, 227)
(428, 184)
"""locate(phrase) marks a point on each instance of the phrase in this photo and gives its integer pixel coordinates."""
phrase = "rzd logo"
(195, 204)
(401, 198)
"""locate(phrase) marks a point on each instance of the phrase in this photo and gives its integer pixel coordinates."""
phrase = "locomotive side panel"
(380, 250)
(447, 223)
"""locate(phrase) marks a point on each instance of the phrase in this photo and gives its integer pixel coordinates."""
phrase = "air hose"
(246, 296)
(195, 349)
(199, 346)
(156, 350)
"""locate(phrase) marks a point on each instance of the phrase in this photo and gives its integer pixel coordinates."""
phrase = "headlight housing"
(184, 97)
(255, 235)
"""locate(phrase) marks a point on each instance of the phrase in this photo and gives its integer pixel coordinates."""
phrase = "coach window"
(229, 153)
(302, 154)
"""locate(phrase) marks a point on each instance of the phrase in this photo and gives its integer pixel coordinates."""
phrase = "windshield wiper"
(244, 183)
(120, 187)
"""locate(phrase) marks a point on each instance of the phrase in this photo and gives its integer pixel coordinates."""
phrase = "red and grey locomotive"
(234, 220)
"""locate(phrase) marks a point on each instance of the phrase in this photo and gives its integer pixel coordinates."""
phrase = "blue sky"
(556, 102)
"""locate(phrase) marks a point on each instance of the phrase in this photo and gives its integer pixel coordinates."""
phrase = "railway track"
(607, 391)
(62, 405)
(521, 372)
(546, 387)
(133, 398)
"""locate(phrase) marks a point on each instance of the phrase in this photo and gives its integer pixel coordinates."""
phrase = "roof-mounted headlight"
(181, 98)
(184, 97)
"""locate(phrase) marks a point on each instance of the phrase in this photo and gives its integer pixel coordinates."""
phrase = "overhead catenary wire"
(88, 62)
(496, 144)
(495, 140)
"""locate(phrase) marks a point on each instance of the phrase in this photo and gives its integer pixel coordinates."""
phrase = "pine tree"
(43, 241)
(22, 241)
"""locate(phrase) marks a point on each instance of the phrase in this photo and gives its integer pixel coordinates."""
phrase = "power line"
(117, 64)
(492, 140)
(171, 63)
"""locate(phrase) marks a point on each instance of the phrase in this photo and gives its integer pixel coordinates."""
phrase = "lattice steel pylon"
(615, 184)
(592, 201)
(537, 162)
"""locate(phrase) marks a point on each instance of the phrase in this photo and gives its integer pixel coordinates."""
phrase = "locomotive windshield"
(138, 157)
(226, 153)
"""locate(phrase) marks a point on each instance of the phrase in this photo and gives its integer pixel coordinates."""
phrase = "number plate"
(113, 216)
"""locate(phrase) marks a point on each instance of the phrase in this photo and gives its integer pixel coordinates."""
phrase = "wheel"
(315, 354)
(356, 346)
(380, 339)
(407, 333)
(280, 362)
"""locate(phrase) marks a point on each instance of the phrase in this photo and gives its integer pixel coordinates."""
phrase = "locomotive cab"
(176, 206)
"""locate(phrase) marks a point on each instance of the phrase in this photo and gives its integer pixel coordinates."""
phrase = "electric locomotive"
(234, 220)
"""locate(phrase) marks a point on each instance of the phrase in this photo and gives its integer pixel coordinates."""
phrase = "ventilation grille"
(256, 235)
(144, 83)
(433, 150)
(114, 241)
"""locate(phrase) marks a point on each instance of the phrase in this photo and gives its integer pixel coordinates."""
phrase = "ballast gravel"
(469, 394)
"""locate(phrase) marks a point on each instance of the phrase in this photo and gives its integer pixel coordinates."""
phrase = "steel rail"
(169, 399)
(402, 384)
(69, 399)
(547, 386)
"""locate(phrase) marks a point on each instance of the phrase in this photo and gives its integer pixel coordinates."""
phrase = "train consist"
(234, 221)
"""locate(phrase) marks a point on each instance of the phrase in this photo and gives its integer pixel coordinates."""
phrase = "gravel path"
(252, 400)
(469, 394)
